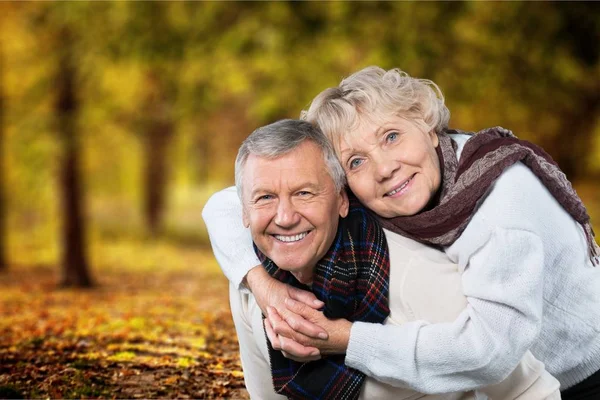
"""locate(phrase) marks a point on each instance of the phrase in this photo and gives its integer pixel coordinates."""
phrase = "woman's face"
(391, 166)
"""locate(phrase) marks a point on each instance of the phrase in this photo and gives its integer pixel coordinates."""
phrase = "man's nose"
(287, 215)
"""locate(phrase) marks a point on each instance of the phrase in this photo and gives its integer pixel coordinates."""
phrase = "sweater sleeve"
(230, 240)
(503, 283)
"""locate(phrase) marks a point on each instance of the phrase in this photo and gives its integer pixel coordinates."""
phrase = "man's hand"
(269, 292)
(295, 345)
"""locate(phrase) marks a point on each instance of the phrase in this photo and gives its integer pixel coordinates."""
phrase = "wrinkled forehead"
(303, 166)
(358, 126)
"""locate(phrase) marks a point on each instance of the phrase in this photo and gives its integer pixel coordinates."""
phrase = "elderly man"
(291, 188)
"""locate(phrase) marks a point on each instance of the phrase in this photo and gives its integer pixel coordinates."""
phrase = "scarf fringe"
(594, 249)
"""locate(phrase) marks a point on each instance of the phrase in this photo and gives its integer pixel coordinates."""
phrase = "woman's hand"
(295, 351)
(269, 292)
(294, 344)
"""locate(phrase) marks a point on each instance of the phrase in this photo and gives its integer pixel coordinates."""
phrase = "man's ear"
(344, 204)
(245, 219)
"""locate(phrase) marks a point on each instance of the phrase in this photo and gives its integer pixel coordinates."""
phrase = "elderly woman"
(498, 207)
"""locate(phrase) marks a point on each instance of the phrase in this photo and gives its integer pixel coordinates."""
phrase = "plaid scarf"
(466, 183)
(352, 279)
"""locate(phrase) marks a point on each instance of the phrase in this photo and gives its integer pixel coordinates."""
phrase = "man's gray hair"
(281, 137)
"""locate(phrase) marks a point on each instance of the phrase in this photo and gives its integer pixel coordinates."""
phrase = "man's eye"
(265, 197)
(355, 163)
(304, 193)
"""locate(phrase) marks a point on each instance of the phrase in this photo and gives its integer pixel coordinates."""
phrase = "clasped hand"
(293, 321)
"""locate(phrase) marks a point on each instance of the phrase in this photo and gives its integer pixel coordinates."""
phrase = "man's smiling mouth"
(291, 238)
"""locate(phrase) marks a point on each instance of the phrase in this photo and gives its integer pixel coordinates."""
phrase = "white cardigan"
(529, 284)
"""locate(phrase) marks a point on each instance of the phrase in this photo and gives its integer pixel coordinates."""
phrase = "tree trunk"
(75, 272)
(159, 131)
(157, 139)
(3, 259)
(203, 154)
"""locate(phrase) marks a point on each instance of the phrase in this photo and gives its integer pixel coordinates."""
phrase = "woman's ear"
(344, 204)
(435, 140)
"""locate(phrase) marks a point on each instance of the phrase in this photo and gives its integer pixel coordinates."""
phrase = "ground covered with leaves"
(160, 329)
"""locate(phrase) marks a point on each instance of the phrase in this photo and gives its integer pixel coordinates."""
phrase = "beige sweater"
(426, 285)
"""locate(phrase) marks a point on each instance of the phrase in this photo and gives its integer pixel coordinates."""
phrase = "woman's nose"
(385, 166)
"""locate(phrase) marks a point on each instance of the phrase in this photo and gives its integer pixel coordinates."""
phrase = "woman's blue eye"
(392, 136)
(355, 163)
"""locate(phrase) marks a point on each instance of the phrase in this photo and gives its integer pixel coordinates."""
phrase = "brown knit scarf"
(466, 183)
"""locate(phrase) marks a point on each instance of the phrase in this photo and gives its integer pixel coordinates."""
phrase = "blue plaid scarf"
(353, 281)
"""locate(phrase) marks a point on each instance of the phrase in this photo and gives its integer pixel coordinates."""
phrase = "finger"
(279, 325)
(297, 319)
(296, 350)
(271, 335)
(307, 359)
(305, 297)
(282, 328)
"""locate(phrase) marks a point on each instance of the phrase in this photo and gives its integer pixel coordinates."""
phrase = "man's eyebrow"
(257, 190)
(309, 185)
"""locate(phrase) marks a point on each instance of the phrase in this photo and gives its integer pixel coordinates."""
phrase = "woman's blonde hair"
(375, 94)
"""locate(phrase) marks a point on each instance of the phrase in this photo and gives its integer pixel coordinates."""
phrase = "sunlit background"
(119, 119)
(151, 100)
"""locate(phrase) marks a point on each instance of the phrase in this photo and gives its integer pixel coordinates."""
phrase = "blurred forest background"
(119, 119)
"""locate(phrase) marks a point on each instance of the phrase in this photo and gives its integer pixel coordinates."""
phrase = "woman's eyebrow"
(346, 154)
(346, 151)
(381, 130)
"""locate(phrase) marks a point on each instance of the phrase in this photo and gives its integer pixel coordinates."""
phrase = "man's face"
(292, 208)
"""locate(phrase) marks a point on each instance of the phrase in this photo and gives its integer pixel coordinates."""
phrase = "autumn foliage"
(144, 332)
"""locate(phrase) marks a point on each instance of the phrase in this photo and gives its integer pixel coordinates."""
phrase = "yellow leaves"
(185, 362)
(237, 374)
(94, 355)
(153, 334)
(126, 79)
(137, 323)
(218, 366)
(122, 356)
(199, 343)
(205, 355)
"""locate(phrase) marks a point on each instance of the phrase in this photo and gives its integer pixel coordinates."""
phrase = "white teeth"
(393, 192)
(292, 238)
